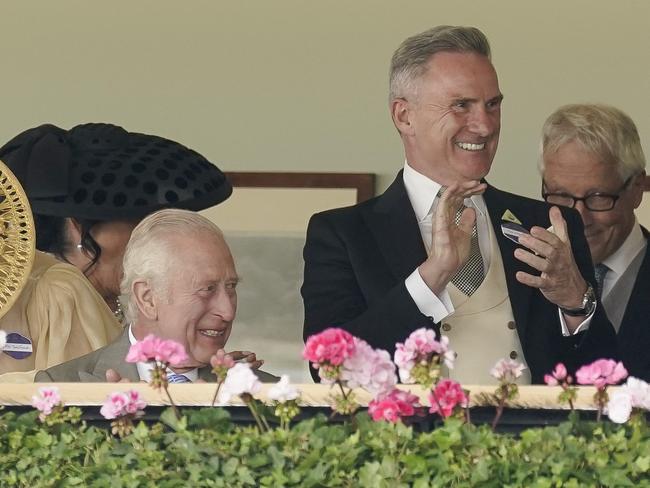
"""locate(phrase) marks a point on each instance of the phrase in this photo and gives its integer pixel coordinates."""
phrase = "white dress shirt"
(144, 369)
(423, 194)
(619, 261)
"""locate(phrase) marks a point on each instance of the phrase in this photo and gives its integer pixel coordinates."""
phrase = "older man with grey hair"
(180, 282)
(435, 249)
(592, 160)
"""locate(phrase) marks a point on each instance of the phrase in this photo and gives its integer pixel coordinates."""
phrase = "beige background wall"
(292, 85)
(301, 85)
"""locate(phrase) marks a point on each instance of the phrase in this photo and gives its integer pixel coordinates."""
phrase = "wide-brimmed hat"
(102, 172)
(17, 240)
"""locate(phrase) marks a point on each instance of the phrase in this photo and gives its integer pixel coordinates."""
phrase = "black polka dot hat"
(103, 172)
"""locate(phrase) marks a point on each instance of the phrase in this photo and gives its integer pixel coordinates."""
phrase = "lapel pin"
(508, 216)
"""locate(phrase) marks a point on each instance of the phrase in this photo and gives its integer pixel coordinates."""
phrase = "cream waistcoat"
(482, 329)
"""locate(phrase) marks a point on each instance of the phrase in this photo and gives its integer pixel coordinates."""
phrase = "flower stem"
(171, 401)
(248, 400)
(216, 393)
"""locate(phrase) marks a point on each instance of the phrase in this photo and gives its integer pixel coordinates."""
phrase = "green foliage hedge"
(206, 449)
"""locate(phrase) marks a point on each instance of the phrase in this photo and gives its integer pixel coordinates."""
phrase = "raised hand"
(450, 243)
(560, 280)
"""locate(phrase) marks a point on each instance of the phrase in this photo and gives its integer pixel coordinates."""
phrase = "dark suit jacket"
(634, 333)
(92, 367)
(357, 258)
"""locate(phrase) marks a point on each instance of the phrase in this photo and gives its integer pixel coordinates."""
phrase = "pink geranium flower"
(369, 368)
(558, 375)
(119, 404)
(153, 348)
(507, 370)
(394, 406)
(46, 400)
(446, 396)
(420, 346)
(330, 347)
(601, 373)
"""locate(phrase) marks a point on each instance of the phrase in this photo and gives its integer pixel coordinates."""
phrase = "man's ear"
(638, 186)
(145, 299)
(400, 111)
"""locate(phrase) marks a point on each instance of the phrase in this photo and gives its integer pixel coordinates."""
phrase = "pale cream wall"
(301, 85)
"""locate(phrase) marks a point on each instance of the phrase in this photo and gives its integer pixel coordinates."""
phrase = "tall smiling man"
(398, 262)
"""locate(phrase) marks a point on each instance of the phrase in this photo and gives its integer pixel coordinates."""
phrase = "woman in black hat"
(89, 187)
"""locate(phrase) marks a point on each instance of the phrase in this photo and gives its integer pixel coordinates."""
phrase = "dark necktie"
(600, 271)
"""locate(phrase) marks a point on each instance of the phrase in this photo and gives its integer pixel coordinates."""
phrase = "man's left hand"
(560, 280)
(247, 357)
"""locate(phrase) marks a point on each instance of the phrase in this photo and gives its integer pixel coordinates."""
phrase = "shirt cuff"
(584, 325)
(436, 307)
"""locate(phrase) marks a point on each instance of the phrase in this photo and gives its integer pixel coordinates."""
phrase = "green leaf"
(168, 417)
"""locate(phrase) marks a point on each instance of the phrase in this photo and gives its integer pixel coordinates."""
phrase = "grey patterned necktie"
(471, 274)
(600, 271)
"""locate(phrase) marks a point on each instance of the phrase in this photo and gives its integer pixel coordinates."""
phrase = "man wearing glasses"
(592, 160)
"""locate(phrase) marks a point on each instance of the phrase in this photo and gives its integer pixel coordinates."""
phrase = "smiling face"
(575, 171)
(200, 302)
(450, 127)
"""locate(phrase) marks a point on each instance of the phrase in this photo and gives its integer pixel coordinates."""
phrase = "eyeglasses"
(596, 202)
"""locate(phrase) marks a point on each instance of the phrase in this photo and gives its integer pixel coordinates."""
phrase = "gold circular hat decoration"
(17, 239)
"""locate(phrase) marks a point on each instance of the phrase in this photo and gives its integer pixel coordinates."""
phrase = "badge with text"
(17, 346)
(513, 231)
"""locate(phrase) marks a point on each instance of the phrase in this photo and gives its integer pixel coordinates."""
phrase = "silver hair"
(149, 254)
(605, 131)
(409, 61)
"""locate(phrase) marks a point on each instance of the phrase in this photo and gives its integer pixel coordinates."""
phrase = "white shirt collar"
(422, 193)
(144, 369)
(620, 259)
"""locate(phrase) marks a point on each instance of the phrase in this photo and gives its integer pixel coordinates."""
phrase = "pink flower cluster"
(222, 360)
(558, 376)
(394, 406)
(329, 348)
(446, 396)
(601, 373)
(507, 370)
(119, 404)
(153, 348)
(420, 346)
(368, 368)
(47, 399)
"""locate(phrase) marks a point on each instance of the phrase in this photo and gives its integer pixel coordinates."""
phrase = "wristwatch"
(588, 304)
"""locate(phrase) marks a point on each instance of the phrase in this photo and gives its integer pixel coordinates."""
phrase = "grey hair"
(409, 61)
(149, 255)
(605, 131)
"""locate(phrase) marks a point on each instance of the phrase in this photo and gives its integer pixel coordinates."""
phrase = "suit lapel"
(497, 203)
(638, 305)
(113, 357)
(395, 229)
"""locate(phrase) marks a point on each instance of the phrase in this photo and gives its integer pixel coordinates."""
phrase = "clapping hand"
(450, 242)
